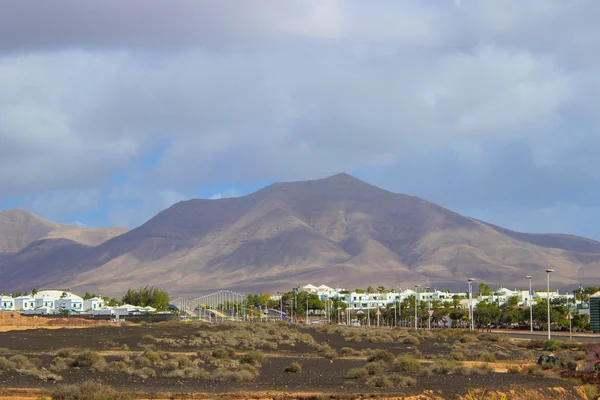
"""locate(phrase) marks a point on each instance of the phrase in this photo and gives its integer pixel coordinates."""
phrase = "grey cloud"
(468, 103)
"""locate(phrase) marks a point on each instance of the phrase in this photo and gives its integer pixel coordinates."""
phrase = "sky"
(112, 111)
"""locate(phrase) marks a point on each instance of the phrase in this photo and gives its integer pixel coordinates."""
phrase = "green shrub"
(294, 367)
(591, 391)
(381, 355)
(406, 363)
(89, 390)
(357, 373)
(551, 345)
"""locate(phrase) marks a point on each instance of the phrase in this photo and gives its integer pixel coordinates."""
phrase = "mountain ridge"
(339, 230)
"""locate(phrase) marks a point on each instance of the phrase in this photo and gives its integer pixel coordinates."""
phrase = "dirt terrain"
(179, 360)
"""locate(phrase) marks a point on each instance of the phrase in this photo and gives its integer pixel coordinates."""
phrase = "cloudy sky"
(111, 111)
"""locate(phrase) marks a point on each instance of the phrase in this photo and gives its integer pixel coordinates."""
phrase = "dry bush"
(572, 344)
(89, 390)
(381, 355)
(357, 373)
(142, 362)
(118, 366)
(406, 363)
(374, 368)
(99, 366)
(144, 373)
(294, 367)
(462, 370)
(444, 366)
(62, 364)
(426, 371)
(41, 374)
(513, 369)
(4, 351)
(255, 358)
(412, 340)
(535, 344)
(149, 339)
(533, 370)
(66, 353)
(487, 357)
(155, 356)
(380, 381)
(223, 352)
(87, 358)
(390, 381)
(188, 372)
(347, 351)
(6, 364)
(222, 374)
(591, 391)
(482, 369)
(249, 368)
(330, 354)
(468, 339)
(457, 355)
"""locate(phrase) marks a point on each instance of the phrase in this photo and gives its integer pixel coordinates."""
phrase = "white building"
(93, 304)
(7, 303)
(24, 303)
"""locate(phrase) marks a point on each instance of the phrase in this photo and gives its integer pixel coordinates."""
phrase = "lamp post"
(548, 271)
(306, 308)
(530, 307)
(428, 308)
(281, 303)
(470, 284)
(416, 304)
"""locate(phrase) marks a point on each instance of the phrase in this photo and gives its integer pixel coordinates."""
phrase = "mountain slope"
(339, 231)
(19, 228)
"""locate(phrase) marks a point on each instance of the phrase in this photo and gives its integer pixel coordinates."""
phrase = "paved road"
(581, 337)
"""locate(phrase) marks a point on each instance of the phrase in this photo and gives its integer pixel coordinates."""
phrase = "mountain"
(19, 228)
(339, 231)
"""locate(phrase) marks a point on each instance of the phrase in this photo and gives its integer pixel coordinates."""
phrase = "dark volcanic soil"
(319, 374)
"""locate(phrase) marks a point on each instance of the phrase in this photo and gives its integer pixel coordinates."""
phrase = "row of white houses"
(47, 302)
(359, 301)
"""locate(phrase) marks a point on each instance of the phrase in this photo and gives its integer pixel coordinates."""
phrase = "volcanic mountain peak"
(338, 230)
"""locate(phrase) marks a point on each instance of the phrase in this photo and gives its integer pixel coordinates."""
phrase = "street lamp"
(470, 284)
(416, 303)
(530, 307)
(428, 307)
(548, 271)
(306, 308)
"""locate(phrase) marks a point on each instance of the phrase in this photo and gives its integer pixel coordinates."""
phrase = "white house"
(93, 304)
(7, 303)
(58, 299)
(24, 303)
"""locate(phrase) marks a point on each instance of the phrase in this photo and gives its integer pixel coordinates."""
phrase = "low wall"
(131, 318)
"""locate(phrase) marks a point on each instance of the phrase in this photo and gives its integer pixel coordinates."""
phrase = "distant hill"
(19, 228)
(339, 231)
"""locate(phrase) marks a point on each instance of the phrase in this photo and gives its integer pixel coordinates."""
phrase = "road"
(580, 337)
